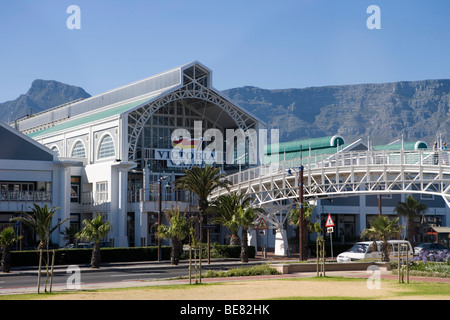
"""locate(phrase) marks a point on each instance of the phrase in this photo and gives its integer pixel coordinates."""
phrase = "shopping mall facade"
(111, 154)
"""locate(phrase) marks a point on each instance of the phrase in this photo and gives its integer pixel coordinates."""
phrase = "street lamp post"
(160, 180)
(159, 217)
(379, 203)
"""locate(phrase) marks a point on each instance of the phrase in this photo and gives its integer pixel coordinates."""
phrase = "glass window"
(75, 183)
(106, 149)
(102, 191)
(79, 150)
(55, 149)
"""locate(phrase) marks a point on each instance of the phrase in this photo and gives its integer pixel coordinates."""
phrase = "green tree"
(246, 217)
(40, 220)
(225, 209)
(202, 181)
(95, 230)
(410, 209)
(382, 228)
(293, 219)
(70, 234)
(177, 231)
(7, 238)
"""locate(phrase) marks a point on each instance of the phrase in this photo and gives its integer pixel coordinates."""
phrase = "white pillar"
(281, 243)
(252, 238)
(122, 209)
(61, 199)
(141, 227)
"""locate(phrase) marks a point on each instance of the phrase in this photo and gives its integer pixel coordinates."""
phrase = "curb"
(221, 263)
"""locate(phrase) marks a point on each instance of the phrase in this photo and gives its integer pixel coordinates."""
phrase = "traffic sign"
(262, 225)
(330, 229)
(329, 222)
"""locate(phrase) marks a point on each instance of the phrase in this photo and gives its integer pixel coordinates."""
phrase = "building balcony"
(95, 201)
(26, 196)
(148, 200)
(15, 201)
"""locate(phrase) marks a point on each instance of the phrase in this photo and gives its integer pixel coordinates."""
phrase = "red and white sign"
(262, 225)
(329, 222)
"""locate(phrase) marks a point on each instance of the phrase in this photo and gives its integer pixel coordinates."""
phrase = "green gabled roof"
(306, 145)
(89, 118)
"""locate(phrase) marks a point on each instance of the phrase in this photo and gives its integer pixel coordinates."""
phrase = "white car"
(372, 250)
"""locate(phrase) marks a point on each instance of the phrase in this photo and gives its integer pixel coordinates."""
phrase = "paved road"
(24, 280)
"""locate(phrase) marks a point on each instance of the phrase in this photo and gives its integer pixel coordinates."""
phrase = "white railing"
(347, 159)
(146, 195)
(27, 196)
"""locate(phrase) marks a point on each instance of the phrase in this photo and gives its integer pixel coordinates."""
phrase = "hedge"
(83, 256)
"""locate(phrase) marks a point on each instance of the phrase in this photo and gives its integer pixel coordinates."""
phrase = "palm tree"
(202, 182)
(246, 217)
(70, 233)
(40, 221)
(294, 220)
(95, 230)
(410, 209)
(226, 207)
(382, 228)
(7, 238)
(177, 232)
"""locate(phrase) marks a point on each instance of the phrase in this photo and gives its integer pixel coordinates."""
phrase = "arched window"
(106, 148)
(55, 149)
(78, 150)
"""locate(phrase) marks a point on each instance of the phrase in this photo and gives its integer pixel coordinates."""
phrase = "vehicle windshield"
(359, 248)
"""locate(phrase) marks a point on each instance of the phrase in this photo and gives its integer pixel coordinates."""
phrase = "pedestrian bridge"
(345, 174)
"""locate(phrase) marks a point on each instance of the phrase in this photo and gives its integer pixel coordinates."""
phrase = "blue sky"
(268, 44)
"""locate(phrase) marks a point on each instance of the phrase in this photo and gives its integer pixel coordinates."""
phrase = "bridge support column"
(252, 238)
(281, 243)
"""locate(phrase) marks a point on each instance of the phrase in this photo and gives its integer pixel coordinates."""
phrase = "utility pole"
(300, 216)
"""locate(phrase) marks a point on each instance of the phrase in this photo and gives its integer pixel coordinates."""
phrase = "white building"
(122, 138)
(31, 173)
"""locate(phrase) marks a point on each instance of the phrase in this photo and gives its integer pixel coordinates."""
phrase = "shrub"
(258, 270)
(83, 256)
(429, 263)
(433, 256)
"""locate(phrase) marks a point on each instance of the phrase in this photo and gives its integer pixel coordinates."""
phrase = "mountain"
(42, 95)
(418, 110)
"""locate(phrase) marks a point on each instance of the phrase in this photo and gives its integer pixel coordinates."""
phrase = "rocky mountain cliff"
(42, 95)
(418, 110)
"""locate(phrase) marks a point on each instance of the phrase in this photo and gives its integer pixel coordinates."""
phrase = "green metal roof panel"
(406, 146)
(303, 154)
(89, 118)
(306, 144)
